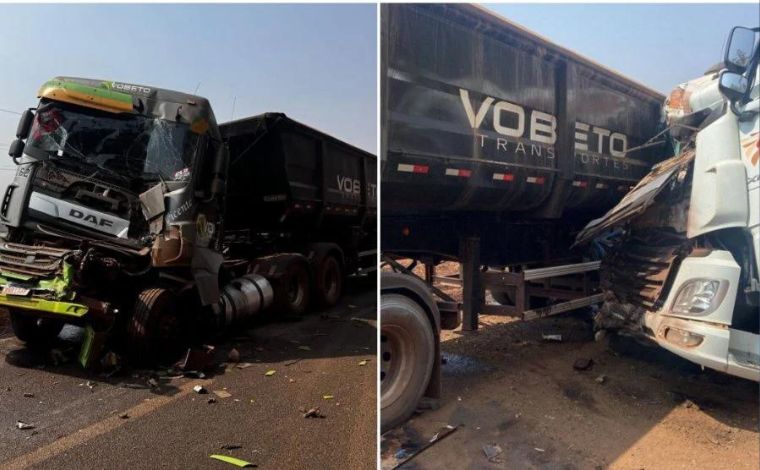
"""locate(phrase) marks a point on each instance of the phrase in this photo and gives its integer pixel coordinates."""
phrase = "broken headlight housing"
(699, 297)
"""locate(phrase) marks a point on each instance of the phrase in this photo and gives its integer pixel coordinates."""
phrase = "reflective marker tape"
(601, 186)
(406, 168)
(580, 184)
(535, 179)
(503, 176)
(623, 188)
(458, 172)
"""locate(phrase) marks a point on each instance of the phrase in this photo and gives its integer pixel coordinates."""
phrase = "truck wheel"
(329, 281)
(407, 347)
(34, 330)
(293, 293)
(155, 332)
(504, 297)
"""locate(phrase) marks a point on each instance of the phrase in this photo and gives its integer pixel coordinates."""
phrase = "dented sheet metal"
(639, 198)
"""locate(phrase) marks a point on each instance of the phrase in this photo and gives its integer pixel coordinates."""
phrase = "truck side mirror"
(16, 149)
(25, 124)
(733, 85)
(219, 179)
(739, 48)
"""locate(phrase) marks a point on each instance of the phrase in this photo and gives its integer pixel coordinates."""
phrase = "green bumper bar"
(67, 309)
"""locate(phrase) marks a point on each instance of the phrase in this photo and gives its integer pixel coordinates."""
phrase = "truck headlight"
(699, 297)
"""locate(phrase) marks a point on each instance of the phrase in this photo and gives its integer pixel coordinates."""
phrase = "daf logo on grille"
(89, 218)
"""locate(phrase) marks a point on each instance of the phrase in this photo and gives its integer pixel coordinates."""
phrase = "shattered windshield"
(122, 145)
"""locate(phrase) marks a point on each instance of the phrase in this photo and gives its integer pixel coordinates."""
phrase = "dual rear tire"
(407, 345)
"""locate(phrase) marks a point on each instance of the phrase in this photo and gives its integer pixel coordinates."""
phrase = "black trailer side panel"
(481, 115)
(285, 175)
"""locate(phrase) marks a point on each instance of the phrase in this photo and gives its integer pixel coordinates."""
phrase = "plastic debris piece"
(211, 400)
(601, 379)
(29, 395)
(327, 397)
(491, 451)
(124, 416)
(556, 338)
(363, 363)
(538, 449)
(232, 460)
(200, 389)
(222, 393)
(270, 372)
(23, 425)
(244, 365)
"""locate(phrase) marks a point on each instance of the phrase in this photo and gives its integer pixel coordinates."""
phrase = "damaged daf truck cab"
(116, 222)
(681, 265)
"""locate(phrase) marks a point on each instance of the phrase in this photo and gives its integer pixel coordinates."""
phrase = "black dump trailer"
(497, 147)
(489, 130)
(298, 197)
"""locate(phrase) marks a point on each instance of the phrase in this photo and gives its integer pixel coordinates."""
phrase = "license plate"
(13, 290)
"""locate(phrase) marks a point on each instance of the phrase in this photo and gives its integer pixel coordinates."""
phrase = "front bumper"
(57, 308)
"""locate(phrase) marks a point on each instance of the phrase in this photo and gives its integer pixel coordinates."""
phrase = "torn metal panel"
(642, 196)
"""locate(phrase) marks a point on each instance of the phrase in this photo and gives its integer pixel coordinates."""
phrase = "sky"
(659, 46)
(316, 63)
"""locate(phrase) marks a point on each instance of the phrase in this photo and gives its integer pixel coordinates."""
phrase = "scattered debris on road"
(231, 446)
(492, 451)
(200, 389)
(313, 413)
(196, 359)
(270, 372)
(442, 433)
(601, 379)
(234, 461)
(244, 365)
(364, 362)
(327, 397)
(22, 425)
(554, 338)
(124, 416)
(222, 393)
(583, 363)
(211, 400)
(28, 395)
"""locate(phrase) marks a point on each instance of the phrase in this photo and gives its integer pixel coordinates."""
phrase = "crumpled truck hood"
(638, 199)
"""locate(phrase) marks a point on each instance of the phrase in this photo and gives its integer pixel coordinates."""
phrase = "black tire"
(34, 330)
(293, 292)
(328, 282)
(506, 296)
(155, 333)
(407, 358)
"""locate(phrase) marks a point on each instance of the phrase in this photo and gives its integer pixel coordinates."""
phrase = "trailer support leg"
(429, 273)
(472, 293)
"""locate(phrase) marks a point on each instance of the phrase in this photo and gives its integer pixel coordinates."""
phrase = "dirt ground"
(636, 407)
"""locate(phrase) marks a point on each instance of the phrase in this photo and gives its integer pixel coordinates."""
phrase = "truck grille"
(638, 272)
(37, 261)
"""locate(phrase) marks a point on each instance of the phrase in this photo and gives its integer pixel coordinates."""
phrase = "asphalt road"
(80, 425)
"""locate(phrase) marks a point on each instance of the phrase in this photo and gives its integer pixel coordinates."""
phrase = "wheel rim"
(295, 290)
(396, 349)
(331, 281)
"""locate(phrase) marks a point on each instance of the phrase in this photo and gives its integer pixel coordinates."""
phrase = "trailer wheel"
(329, 281)
(155, 333)
(407, 348)
(293, 293)
(34, 330)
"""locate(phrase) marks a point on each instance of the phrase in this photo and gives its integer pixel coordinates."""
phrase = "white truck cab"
(710, 314)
